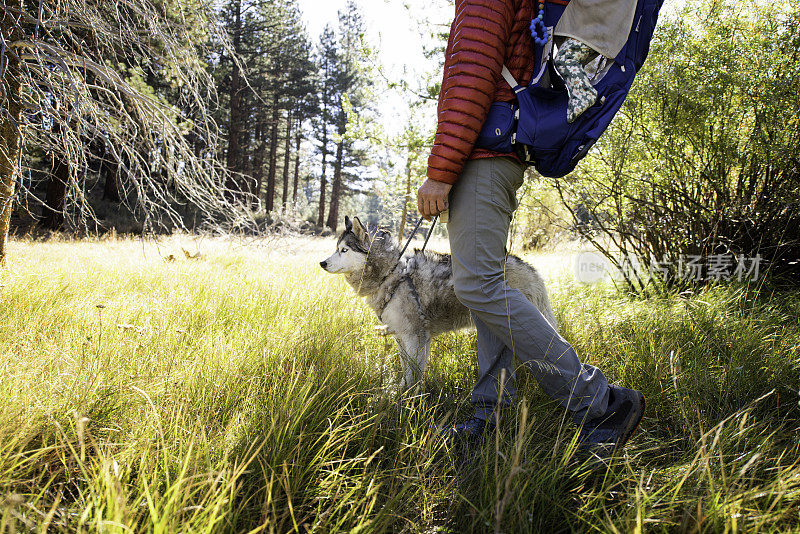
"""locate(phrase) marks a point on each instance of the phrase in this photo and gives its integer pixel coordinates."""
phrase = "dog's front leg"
(414, 351)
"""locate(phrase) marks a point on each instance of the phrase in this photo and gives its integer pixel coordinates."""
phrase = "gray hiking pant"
(509, 326)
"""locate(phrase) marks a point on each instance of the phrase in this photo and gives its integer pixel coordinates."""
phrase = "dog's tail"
(543, 303)
(539, 296)
(527, 279)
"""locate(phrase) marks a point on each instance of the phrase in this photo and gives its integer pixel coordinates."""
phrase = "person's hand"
(432, 198)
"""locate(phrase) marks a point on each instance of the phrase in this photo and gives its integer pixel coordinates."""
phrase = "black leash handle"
(414, 231)
(430, 233)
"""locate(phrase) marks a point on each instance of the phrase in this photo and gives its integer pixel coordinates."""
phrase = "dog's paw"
(381, 329)
(395, 387)
(383, 396)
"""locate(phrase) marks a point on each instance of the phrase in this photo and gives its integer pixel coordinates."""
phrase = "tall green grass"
(247, 391)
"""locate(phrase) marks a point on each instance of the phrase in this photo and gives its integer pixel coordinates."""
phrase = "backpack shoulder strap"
(510, 79)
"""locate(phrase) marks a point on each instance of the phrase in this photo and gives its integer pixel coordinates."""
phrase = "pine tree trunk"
(297, 140)
(234, 124)
(286, 154)
(53, 208)
(10, 112)
(258, 161)
(273, 155)
(246, 165)
(323, 183)
(336, 188)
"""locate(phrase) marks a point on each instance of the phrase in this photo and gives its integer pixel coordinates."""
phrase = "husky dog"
(414, 296)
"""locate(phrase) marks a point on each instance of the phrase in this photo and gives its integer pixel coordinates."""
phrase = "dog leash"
(414, 231)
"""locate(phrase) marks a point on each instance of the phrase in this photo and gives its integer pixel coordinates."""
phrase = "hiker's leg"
(570, 60)
(495, 373)
(481, 206)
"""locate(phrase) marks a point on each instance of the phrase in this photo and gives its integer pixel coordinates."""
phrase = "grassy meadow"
(245, 390)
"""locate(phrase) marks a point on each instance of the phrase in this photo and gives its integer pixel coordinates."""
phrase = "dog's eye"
(344, 250)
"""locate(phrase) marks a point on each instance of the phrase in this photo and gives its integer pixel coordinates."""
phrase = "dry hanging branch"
(79, 73)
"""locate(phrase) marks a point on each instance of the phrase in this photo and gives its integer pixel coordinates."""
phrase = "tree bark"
(273, 155)
(286, 153)
(234, 123)
(10, 113)
(53, 208)
(297, 140)
(336, 188)
(323, 182)
(258, 161)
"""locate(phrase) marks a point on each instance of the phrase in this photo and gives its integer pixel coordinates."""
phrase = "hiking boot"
(609, 433)
(470, 430)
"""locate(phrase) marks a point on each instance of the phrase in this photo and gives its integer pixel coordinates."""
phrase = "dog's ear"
(348, 224)
(359, 229)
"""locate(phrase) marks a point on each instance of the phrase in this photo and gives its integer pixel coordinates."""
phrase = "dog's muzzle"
(323, 264)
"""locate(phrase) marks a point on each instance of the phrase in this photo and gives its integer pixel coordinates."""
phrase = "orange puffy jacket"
(485, 35)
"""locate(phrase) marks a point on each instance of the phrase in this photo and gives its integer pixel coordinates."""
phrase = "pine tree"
(93, 96)
(235, 93)
(327, 57)
(272, 59)
(243, 79)
(352, 82)
(10, 117)
(301, 86)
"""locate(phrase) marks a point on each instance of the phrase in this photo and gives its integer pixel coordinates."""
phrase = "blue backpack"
(536, 127)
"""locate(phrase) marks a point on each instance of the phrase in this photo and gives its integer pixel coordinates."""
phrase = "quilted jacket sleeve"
(473, 61)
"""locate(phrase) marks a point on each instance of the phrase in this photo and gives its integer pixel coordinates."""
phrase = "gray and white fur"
(414, 296)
